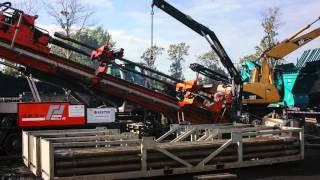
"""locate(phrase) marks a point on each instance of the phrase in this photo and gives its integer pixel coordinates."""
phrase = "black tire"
(13, 144)
(9, 121)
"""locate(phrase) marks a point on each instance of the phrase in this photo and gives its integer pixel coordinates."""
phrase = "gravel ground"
(13, 169)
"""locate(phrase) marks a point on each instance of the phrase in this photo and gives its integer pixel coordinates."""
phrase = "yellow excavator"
(265, 87)
(262, 84)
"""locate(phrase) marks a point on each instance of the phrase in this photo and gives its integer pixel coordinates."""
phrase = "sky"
(235, 22)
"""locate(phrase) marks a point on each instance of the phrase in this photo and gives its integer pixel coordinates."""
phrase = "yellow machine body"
(261, 88)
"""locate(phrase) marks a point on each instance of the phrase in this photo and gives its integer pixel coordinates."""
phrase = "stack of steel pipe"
(85, 161)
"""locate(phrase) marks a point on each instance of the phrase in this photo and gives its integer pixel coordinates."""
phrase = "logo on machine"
(97, 112)
(42, 112)
(55, 112)
(302, 41)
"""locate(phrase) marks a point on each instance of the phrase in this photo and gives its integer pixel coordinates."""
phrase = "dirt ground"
(13, 169)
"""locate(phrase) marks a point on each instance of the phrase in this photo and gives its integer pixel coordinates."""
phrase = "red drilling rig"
(21, 42)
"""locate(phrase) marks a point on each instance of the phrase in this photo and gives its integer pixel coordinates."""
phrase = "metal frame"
(31, 149)
(16, 27)
(33, 88)
(205, 132)
(148, 143)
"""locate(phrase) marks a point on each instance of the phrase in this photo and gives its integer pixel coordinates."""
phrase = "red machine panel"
(50, 114)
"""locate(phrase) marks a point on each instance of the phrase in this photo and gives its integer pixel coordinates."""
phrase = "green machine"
(300, 80)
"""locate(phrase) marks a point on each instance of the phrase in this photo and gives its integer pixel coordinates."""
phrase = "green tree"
(95, 37)
(177, 53)
(150, 55)
(27, 6)
(70, 16)
(270, 24)
(211, 61)
(208, 59)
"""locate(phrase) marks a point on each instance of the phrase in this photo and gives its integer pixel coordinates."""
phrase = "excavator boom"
(284, 48)
(266, 85)
(293, 43)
